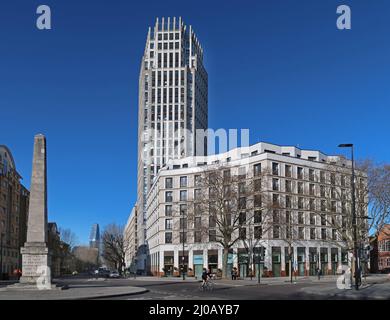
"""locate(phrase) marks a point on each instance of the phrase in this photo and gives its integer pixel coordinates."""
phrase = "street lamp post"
(1, 256)
(182, 258)
(350, 145)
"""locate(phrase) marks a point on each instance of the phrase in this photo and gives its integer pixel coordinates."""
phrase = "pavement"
(72, 292)
(375, 287)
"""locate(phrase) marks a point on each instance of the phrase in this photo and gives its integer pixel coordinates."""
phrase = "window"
(168, 210)
(288, 171)
(276, 232)
(299, 172)
(311, 174)
(332, 178)
(212, 235)
(323, 220)
(183, 182)
(300, 187)
(242, 233)
(241, 187)
(198, 223)
(323, 205)
(198, 180)
(275, 216)
(312, 218)
(197, 208)
(300, 203)
(301, 233)
(242, 203)
(342, 181)
(197, 236)
(288, 213)
(334, 234)
(242, 173)
(333, 193)
(212, 221)
(257, 169)
(242, 218)
(258, 232)
(322, 191)
(168, 196)
(322, 176)
(312, 204)
(333, 206)
(183, 209)
(226, 175)
(183, 237)
(343, 207)
(168, 224)
(275, 199)
(257, 200)
(288, 202)
(168, 183)
(257, 185)
(275, 168)
(312, 233)
(183, 223)
(275, 184)
(197, 194)
(288, 185)
(323, 234)
(257, 216)
(183, 195)
(168, 237)
(301, 218)
(311, 189)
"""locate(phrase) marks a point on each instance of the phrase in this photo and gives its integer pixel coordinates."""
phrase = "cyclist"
(205, 276)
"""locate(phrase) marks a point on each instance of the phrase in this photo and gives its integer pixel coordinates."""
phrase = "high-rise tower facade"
(173, 95)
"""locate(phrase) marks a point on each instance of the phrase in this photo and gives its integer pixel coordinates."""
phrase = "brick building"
(14, 199)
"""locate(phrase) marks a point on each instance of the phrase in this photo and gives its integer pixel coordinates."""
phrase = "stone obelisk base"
(35, 266)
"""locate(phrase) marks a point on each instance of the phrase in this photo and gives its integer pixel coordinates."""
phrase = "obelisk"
(35, 253)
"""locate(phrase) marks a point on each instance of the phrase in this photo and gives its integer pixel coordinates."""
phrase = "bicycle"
(207, 286)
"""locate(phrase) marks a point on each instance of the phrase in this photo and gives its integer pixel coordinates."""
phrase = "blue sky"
(280, 68)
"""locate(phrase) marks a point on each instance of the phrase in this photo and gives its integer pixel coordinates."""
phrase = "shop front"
(301, 261)
(168, 263)
(183, 263)
(313, 261)
(213, 260)
(243, 263)
(324, 260)
(276, 261)
(230, 262)
(198, 264)
(334, 260)
(288, 259)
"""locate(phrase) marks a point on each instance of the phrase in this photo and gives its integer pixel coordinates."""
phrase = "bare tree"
(114, 246)
(372, 199)
(227, 201)
(68, 236)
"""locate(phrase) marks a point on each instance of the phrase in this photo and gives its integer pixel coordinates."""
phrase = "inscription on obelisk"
(35, 257)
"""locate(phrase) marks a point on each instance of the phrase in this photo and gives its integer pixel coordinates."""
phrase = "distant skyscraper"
(173, 104)
(94, 237)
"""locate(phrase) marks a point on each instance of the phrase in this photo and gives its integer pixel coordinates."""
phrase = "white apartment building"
(173, 104)
(131, 241)
(302, 182)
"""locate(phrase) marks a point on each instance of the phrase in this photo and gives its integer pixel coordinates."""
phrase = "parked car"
(102, 272)
(114, 274)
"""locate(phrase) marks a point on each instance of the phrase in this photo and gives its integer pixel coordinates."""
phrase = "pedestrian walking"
(319, 273)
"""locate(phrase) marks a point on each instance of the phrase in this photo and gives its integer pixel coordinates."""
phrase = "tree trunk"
(225, 262)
